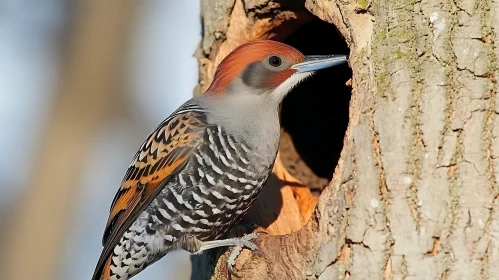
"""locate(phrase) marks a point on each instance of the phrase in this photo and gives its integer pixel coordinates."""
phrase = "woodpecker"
(196, 175)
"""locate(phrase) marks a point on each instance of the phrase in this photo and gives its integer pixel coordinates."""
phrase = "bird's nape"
(243, 58)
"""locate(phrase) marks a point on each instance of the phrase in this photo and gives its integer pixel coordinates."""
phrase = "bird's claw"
(245, 241)
(232, 260)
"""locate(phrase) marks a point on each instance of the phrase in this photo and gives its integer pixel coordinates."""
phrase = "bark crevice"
(414, 192)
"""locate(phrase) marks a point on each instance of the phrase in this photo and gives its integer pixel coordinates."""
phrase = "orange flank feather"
(106, 271)
(248, 53)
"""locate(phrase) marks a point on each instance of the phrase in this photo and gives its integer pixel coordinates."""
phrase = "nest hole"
(314, 116)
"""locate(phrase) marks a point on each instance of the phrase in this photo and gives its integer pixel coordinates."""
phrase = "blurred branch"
(88, 91)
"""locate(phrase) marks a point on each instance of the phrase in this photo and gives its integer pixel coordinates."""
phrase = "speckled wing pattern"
(163, 153)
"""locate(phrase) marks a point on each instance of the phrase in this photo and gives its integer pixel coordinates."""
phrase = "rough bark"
(415, 192)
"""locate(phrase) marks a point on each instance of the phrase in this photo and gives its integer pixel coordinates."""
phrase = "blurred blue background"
(62, 163)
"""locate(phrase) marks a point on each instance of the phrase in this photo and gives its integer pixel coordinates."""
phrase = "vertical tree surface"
(414, 194)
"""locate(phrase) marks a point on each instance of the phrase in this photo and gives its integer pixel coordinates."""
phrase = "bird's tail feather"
(103, 272)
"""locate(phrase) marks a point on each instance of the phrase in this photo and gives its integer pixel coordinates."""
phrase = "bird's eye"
(275, 61)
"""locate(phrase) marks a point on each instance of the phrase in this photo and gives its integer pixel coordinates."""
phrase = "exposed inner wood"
(291, 177)
(294, 164)
(287, 205)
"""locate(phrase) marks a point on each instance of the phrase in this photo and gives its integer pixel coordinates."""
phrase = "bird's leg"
(244, 241)
(237, 242)
(236, 251)
(242, 228)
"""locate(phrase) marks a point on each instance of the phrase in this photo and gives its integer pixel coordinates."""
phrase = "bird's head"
(266, 68)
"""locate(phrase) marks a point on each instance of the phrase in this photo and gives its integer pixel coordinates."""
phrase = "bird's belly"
(211, 194)
(215, 189)
(201, 209)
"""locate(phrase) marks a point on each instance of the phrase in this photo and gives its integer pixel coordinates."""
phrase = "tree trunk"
(414, 193)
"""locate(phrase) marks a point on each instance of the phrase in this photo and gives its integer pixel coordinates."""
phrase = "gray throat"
(252, 119)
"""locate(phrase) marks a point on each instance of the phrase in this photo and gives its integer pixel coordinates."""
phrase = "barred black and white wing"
(164, 153)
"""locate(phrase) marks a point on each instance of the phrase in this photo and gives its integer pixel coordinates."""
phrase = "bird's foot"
(238, 243)
(245, 241)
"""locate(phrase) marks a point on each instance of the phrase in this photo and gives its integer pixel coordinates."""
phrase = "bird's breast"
(216, 188)
(250, 119)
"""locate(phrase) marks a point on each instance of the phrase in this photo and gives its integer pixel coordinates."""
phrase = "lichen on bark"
(415, 192)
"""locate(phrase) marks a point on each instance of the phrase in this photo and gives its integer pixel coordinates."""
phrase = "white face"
(284, 88)
(271, 78)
